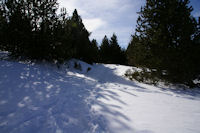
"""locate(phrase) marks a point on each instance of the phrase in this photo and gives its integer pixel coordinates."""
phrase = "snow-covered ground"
(40, 98)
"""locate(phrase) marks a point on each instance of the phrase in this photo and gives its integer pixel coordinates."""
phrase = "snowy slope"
(40, 98)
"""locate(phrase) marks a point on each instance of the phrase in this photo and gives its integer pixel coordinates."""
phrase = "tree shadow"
(41, 98)
(107, 75)
(111, 77)
(177, 91)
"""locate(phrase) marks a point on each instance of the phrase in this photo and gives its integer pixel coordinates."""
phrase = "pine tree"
(35, 31)
(111, 52)
(18, 27)
(105, 51)
(30, 27)
(195, 50)
(197, 33)
(3, 26)
(46, 12)
(116, 53)
(79, 37)
(163, 38)
(62, 47)
(94, 51)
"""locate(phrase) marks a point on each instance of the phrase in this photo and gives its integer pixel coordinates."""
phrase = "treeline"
(110, 52)
(33, 29)
(167, 41)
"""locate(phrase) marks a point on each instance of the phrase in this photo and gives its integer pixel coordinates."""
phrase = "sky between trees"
(103, 17)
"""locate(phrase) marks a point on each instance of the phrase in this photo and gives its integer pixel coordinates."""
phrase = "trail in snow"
(136, 107)
(39, 98)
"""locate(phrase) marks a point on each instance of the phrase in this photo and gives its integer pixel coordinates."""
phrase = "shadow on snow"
(40, 98)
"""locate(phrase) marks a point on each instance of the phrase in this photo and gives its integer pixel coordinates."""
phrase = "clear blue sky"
(105, 17)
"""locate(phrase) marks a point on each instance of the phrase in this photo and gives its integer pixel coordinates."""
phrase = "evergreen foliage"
(95, 51)
(111, 52)
(195, 50)
(3, 26)
(105, 50)
(163, 40)
(80, 38)
(167, 38)
(34, 30)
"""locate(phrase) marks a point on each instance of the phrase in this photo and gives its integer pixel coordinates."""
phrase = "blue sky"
(105, 17)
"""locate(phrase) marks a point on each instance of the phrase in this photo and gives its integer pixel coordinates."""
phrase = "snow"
(40, 98)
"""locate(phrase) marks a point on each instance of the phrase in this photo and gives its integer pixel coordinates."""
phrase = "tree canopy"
(164, 40)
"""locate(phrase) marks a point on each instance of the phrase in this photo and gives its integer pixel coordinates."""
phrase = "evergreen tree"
(105, 51)
(111, 52)
(94, 51)
(29, 27)
(32, 29)
(163, 39)
(79, 37)
(116, 54)
(18, 27)
(197, 33)
(45, 18)
(195, 50)
(62, 47)
(3, 26)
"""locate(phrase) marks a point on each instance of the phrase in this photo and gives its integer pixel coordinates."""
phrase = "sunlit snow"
(40, 98)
